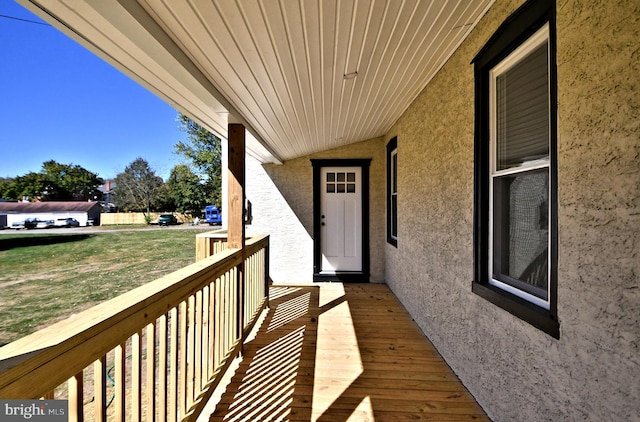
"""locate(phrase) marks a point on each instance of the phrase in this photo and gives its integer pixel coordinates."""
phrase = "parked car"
(17, 225)
(67, 222)
(35, 223)
(167, 220)
(30, 223)
(45, 224)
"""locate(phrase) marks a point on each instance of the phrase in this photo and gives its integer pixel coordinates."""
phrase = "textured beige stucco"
(282, 204)
(517, 372)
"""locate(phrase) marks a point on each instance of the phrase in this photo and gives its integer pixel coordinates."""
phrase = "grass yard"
(46, 277)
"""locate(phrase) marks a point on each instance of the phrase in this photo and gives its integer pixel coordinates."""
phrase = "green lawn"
(45, 277)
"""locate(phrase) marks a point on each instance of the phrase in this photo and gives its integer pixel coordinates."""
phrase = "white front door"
(341, 219)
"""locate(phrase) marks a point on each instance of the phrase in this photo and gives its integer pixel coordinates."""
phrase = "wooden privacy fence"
(125, 218)
(155, 353)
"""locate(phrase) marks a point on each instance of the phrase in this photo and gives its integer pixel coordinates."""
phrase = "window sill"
(528, 312)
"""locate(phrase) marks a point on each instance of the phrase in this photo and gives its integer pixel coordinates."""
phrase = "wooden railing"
(155, 353)
(210, 243)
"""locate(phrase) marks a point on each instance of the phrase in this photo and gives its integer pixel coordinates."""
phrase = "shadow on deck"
(341, 352)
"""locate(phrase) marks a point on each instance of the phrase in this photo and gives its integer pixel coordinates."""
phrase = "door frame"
(344, 276)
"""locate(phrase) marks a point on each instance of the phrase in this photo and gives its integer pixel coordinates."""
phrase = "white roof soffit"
(302, 75)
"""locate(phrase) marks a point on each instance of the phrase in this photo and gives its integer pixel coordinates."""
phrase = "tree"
(204, 156)
(69, 182)
(186, 190)
(55, 182)
(138, 188)
(5, 182)
(30, 185)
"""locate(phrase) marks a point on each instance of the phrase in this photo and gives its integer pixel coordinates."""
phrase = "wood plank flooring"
(339, 352)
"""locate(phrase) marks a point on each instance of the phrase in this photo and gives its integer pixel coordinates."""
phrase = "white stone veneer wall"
(282, 204)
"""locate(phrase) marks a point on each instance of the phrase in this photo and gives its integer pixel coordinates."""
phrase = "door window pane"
(337, 182)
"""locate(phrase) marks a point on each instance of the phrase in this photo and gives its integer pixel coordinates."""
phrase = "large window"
(515, 195)
(392, 192)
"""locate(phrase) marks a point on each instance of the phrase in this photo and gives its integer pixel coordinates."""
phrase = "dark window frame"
(392, 209)
(518, 28)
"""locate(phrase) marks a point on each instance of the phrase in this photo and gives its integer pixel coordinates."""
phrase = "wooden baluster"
(162, 369)
(229, 317)
(119, 379)
(212, 328)
(173, 365)
(197, 361)
(266, 271)
(136, 377)
(183, 360)
(238, 303)
(100, 389)
(222, 318)
(150, 384)
(76, 398)
(191, 352)
(254, 285)
(205, 336)
(246, 295)
(218, 321)
(231, 300)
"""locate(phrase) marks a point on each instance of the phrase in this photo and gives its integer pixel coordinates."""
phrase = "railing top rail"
(216, 234)
(222, 235)
(88, 335)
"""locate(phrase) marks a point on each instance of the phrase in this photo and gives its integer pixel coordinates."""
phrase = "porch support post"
(235, 206)
(235, 214)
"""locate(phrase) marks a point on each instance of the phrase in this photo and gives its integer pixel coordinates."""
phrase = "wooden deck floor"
(342, 352)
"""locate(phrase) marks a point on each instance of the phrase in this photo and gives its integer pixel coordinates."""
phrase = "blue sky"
(58, 101)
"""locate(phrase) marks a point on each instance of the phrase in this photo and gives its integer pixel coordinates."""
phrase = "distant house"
(106, 196)
(81, 211)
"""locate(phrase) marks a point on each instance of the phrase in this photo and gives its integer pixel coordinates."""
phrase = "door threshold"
(342, 276)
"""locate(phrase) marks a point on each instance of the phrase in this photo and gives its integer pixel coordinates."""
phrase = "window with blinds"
(520, 171)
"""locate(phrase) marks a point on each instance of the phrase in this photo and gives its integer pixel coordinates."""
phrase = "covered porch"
(216, 341)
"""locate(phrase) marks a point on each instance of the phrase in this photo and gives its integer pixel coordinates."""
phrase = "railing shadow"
(265, 384)
(337, 354)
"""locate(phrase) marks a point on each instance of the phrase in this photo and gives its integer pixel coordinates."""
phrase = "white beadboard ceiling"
(277, 66)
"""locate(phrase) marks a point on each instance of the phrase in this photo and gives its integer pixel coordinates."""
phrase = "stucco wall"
(517, 372)
(282, 202)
